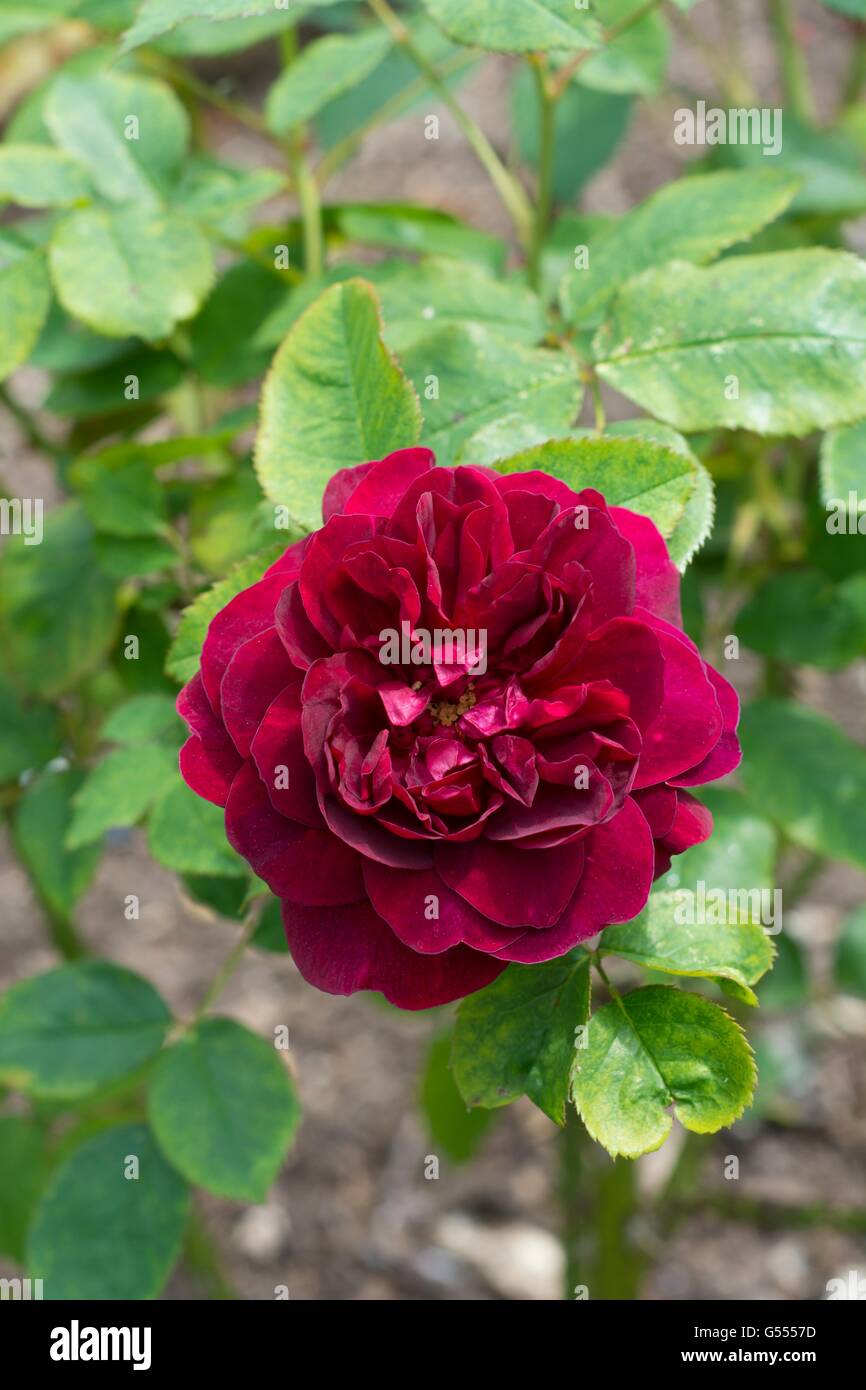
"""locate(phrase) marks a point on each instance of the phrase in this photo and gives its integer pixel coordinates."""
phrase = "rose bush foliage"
(422, 826)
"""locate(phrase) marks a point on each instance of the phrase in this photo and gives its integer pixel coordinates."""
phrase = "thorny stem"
(510, 191)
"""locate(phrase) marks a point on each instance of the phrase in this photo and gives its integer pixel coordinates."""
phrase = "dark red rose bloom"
(424, 825)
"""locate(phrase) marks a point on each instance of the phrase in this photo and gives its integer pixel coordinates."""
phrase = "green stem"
(510, 191)
(796, 82)
(310, 205)
(597, 1202)
(546, 151)
(185, 81)
(203, 1259)
(389, 111)
(231, 962)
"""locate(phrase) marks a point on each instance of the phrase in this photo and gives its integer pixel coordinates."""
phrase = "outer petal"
(689, 723)
(614, 887)
(529, 888)
(404, 899)
(727, 753)
(350, 948)
(383, 484)
(249, 613)
(257, 672)
(692, 824)
(307, 866)
(208, 760)
(657, 579)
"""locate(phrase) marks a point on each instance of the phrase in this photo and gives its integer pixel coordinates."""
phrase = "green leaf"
(185, 652)
(696, 521)
(19, 17)
(229, 519)
(654, 1048)
(324, 70)
(588, 127)
(850, 965)
(791, 328)
(157, 17)
(57, 609)
(802, 618)
(662, 938)
(270, 934)
(843, 465)
(334, 397)
(105, 1228)
(692, 219)
(41, 820)
(29, 734)
(23, 1170)
(25, 294)
(417, 300)
(221, 336)
(646, 477)
(740, 853)
(129, 270)
(224, 1110)
(124, 384)
(71, 1031)
(517, 1036)
(36, 177)
(807, 776)
(455, 1128)
(636, 60)
(122, 497)
(426, 231)
(517, 26)
(120, 789)
(141, 719)
(188, 835)
(471, 377)
(213, 193)
(130, 133)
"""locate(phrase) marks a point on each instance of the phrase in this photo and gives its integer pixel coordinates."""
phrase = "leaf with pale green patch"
(774, 344)
(25, 296)
(517, 1037)
(323, 70)
(74, 1030)
(646, 477)
(807, 776)
(129, 132)
(104, 1229)
(517, 26)
(635, 60)
(156, 17)
(130, 270)
(334, 398)
(35, 176)
(468, 377)
(654, 1048)
(224, 1109)
(843, 465)
(693, 219)
(419, 299)
(663, 938)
